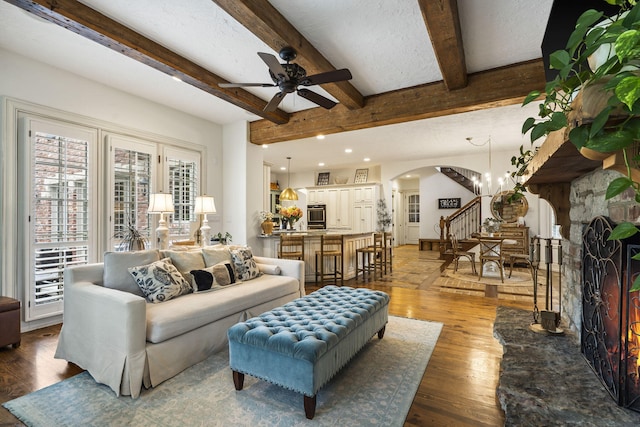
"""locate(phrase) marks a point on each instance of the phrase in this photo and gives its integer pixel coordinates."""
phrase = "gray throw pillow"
(116, 264)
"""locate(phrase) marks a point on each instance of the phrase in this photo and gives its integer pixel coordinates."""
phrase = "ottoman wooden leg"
(238, 380)
(309, 407)
(381, 332)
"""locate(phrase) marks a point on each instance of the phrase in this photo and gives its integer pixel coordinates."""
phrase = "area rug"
(376, 388)
(545, 381)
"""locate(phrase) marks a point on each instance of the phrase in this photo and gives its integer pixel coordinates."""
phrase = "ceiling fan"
(289, 76)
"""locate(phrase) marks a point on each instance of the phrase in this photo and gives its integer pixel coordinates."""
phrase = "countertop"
(312, 233)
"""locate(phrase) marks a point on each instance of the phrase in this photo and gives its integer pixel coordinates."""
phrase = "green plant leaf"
(600, 121)
(528, 124)
(628, 90)
(538, 131)
(623, 231)
(559, 59)
(626, 44)
(617, 186)
(531, 97)
(579, 136)
(611, 141)
(636, 284)
(632, 17)
(585, 21)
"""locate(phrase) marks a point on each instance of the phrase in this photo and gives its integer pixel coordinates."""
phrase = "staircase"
(464, 223)
(463, 177)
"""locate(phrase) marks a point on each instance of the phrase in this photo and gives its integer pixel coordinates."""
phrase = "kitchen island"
(352, 241)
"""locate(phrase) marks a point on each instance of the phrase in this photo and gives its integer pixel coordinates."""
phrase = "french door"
(57, 207)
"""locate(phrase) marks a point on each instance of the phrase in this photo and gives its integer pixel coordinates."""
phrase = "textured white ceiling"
(384, 43)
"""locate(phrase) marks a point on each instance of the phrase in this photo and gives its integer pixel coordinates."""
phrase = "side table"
(9, 322)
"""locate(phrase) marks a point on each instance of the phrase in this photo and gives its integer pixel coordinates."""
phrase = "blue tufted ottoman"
(304, 343)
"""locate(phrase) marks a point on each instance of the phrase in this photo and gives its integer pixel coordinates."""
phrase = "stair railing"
(463, 223)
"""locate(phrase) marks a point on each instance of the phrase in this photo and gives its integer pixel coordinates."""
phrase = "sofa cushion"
(203, 280)
(186, 261)
(189, 312)
(116, 264)
(160, 281)
(215, 254)
(244, 264)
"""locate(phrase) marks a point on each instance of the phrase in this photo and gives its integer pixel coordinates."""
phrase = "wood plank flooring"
(457, 389)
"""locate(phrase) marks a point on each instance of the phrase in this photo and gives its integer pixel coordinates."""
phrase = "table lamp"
(161, 203)
(205, 205)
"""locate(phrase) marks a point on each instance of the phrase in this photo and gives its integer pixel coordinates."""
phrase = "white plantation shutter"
(60, 224)
(182, 167)
(133, 168)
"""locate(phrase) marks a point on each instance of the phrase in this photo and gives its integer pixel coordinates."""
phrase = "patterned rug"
(376, 388)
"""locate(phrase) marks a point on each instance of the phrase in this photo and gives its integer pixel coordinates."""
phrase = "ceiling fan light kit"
(287, 77)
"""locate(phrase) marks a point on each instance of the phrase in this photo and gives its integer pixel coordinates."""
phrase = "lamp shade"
(160, 203)
(288, 194)
(205, 205)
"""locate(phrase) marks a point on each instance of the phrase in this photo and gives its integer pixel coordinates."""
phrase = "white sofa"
(125, 342)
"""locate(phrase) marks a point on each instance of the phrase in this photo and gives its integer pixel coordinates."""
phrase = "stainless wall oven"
(317, 217)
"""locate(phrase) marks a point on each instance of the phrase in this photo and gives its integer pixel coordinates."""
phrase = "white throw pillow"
(244, 264)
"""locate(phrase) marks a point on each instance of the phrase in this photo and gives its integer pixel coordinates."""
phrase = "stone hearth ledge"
(545, 381)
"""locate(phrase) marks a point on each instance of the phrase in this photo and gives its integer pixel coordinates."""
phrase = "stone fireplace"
(610, 334)
(613, 307)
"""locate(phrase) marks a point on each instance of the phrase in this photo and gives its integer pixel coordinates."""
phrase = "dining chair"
(458, 253)
(491, 252)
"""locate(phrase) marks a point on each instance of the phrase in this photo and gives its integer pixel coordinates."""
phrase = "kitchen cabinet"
(364, 194)
(363, 218)
(339, 208)
(316, 197)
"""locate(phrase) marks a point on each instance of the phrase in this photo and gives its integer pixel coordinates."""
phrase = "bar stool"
(9, 322)
(387, 248)
(371, 258)
(291, 247)
(331, 247)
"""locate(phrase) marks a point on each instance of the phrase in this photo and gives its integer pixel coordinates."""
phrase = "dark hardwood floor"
(457, 389)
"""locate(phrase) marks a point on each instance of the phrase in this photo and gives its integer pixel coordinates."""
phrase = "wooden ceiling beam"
(443, 24)
(89, 23)
(264, 20)
(488, 89)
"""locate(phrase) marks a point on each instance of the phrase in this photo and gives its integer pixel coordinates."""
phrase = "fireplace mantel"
(554, 166)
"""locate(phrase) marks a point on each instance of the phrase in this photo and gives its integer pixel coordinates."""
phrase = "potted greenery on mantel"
(615, 125)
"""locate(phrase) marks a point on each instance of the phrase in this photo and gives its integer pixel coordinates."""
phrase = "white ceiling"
(384, 43)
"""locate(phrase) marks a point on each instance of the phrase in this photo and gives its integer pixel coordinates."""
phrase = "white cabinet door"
(317, 197)
(363, 218)
(363, 194)
(339, 208)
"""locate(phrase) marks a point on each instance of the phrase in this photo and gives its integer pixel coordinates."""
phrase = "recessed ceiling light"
(408, 176)
(282, 168)
(265, 145)
(321, 164)
(366, 159)
(320, 137)
(348, 150)
(176, 78)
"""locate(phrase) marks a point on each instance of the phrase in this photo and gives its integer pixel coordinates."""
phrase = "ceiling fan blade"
(246, 85)
(274, 65)
(328, 77)
(275, 101)
(318, 99)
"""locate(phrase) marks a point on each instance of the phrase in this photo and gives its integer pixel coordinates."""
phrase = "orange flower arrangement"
(292, 213)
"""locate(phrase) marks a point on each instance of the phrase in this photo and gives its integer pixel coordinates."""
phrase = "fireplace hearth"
(610, 336)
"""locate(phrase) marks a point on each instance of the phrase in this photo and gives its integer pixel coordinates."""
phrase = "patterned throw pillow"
(245, 265)
(160, 281)
(203, 280)
(223, 274)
